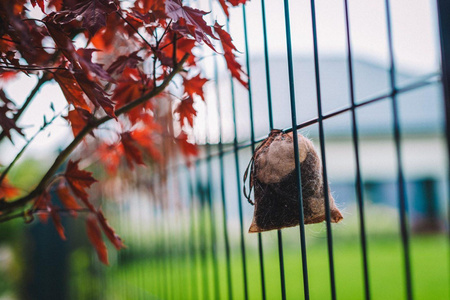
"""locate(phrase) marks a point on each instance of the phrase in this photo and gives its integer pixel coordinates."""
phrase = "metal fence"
(191, 233)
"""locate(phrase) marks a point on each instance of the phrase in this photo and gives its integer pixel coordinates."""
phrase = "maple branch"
(11, 217)
(41, 81)
(63, 155)
(30, 68)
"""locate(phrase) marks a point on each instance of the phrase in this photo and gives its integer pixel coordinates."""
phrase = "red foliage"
(56, 218)
(228, 47)
(194, 85)
(67, 199)
(7, 191)
(141, 46)
(95, 237)
(79, 181)
(78, 119)
(109, 232)
(186, 111)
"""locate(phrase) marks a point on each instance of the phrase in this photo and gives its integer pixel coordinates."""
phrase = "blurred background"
(186, 227)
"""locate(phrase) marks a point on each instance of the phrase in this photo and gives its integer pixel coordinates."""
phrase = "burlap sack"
(273, 177)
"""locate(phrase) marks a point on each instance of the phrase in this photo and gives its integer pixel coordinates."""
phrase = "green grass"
(184, 277)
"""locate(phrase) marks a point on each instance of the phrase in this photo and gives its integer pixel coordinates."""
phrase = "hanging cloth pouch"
(274, 180)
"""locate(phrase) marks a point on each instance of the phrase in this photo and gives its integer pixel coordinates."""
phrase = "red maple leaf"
(105, 37)
(95, 237)
(56, 218)
(110, 155)
(8, 191)
(224, 7)
(188, 19)
(144, 137)
(232, 64)
(61, 39)
(85, 60)
(95, 93)
(78, 119)
(186, 148)
(67, 199)
(79, 181)
(132, 152)
(186, 111)
(109, 232)
(93, 13)
(194, 85)
(236, 2)
(124, 61)
(184, 45)
(130, 87)
(70, 88)
(40, 3)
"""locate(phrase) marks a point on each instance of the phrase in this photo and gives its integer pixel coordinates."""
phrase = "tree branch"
(63, 155)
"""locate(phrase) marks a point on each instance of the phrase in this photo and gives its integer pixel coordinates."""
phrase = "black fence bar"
(222, 173)
(358, 180)
(238, 182)
(398, 152)
(252, 136)
(444, 30)
(203, 238)
(211, 207)
(222, 185)
(322, 148)
(192, 244)
(296, 150)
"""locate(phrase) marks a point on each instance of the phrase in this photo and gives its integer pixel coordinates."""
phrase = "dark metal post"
(444, 30)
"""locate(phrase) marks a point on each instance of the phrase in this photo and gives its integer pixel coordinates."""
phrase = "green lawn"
(192, 277)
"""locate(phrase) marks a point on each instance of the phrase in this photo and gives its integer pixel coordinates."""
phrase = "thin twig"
(158, 41)
(63, 155)
(170, 43)
(135, 29)
(30, 97)
(3, 175)
(30, 68)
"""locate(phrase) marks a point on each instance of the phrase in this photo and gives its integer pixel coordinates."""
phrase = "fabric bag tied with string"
(274, 180)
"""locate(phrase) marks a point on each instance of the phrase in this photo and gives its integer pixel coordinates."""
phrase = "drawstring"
(251, 165)
(247, 196)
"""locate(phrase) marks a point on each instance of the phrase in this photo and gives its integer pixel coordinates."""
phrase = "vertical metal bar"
(224, 217)
(166, 247)
(252, 134)
(296, 150)
(444, 30)
(212, 217)
(192, 239)
(238, 182)
(222, 183)
(204, 239)
(398, 153)
(358, 182)
(156, 246)
(222, 174)
(322, 148)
